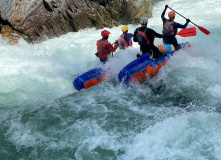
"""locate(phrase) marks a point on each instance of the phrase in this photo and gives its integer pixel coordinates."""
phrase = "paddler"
(170, 28)
(145, 38)
(125, 40)
(104, 48)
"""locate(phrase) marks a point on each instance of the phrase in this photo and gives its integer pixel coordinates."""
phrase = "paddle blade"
(187, 32)
(204, 30)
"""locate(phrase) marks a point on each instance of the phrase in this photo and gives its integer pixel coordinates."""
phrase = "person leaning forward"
(104, 48)
(170, 28)
(145, 38)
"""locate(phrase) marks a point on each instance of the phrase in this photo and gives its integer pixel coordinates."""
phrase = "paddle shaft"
(199, 27)
(181, 15)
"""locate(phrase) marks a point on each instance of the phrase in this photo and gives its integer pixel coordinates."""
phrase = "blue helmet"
(143, 21)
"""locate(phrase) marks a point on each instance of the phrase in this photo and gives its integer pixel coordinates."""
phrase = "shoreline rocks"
(38, 20)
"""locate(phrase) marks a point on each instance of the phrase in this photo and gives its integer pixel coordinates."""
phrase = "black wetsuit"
(172, 39)
(150, 35)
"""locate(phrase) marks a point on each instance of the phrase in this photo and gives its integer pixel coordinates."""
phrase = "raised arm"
(163, 13)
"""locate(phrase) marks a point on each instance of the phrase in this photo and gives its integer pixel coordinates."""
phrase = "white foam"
(189, 135)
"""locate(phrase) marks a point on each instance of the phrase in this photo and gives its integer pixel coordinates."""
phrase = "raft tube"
(145, 67)
(89, 78)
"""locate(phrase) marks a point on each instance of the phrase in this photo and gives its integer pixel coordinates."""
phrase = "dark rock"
(36, 20)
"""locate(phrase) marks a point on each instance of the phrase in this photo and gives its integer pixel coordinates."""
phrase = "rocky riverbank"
(37, 20)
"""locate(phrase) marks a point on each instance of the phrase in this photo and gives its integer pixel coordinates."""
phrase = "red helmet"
(105, 33)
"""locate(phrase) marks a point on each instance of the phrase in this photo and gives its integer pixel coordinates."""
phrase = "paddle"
(187, 32)
(199, 27)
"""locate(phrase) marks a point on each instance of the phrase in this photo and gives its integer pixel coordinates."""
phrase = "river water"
(176, 115)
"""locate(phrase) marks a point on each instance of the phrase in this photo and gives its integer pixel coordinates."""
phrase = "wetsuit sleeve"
(130, 39)
(177, 25)
(135, 35)
(131, 35)
(155, 34)
(163, 14)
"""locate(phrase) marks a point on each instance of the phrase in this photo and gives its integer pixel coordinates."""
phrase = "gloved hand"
(116, 41)
(166, 6)
(138, 55)
(97, 54)
(188, 20)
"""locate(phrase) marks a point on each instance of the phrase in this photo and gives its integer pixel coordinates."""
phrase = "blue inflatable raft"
(138, 70)
(144, 67)
(89, 78)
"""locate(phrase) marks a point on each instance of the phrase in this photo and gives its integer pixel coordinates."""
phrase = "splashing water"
(174, 115)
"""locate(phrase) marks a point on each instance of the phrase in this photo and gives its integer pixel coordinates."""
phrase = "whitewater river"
(174, 116)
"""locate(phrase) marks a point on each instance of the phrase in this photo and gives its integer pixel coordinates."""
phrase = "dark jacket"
(175, 25)
(172, 38)
(150, 35)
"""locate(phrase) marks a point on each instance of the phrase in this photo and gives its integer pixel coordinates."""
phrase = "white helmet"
(143, 21)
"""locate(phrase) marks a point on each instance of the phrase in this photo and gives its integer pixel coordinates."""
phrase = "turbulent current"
(175, 115)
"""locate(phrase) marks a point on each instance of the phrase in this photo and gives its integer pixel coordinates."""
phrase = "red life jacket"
(101, 49)
(125, 44)
(125, 40)
(142, 38)
(168, 29)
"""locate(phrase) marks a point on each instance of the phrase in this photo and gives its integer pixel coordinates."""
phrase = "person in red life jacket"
(104, 48)
(125, 40)
(170, 28)
(145, 38)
